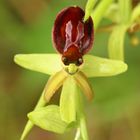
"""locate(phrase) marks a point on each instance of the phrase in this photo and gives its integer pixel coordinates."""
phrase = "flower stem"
(78, 134)
(82, 133)
(29, 125)
(83, 128)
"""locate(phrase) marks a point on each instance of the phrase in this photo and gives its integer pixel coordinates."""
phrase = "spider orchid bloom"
(70, 69)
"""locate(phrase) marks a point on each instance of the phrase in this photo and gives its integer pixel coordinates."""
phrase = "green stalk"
(99, 11)
(29, 125)
(82, 133)
(83, 128)
(78, 134)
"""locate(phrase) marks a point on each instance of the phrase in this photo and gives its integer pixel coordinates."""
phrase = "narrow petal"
(48, 118)
(98, 67)
(68, 100)
(45, 63)
(54, 83)
(84, 84)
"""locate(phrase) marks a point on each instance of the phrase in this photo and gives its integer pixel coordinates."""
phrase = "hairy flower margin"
(70, 113)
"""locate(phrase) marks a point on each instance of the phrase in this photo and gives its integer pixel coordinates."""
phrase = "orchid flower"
(69, 69)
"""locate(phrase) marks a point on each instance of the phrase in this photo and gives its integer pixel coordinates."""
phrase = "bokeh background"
(25, 27)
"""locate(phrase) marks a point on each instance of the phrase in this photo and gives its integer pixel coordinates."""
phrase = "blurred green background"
(25, 27)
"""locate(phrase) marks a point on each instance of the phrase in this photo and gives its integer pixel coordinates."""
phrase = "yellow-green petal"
(84, 84)
(54, 83)
(45, 63)
(99, 67)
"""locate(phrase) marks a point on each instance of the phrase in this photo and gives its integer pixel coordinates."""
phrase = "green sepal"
(68, 100)
(48, 118)
(45, 63)
(99, 67)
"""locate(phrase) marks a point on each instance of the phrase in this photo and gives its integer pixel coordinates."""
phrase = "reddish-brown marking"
(71, 36)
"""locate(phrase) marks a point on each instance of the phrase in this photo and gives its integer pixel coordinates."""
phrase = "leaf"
(68, 100)
(116, 42)
(45, 63)
(82, 81)
(48, 118)
(99, 67)
(54, 83)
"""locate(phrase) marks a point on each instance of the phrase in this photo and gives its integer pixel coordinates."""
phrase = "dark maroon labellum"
(72, 36)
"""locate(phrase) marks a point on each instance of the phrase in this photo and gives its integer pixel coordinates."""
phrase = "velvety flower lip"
(72, 37)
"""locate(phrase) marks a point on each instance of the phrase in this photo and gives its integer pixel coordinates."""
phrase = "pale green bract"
(93, 66)
(48, 118)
